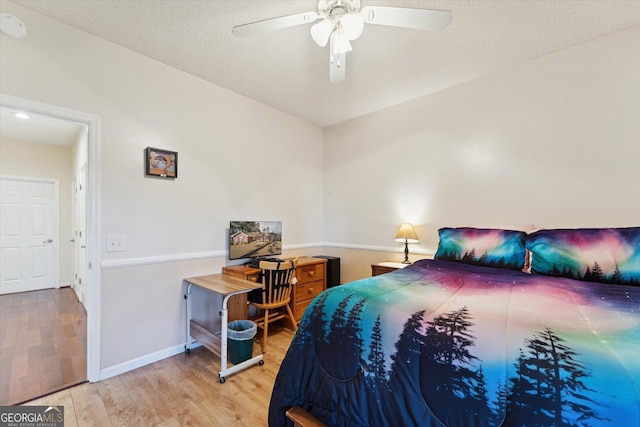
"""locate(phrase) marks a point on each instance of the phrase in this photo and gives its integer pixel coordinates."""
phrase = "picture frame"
(160, 163)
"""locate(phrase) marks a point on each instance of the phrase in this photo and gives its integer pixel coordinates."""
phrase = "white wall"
(554, 142)
(235, 156)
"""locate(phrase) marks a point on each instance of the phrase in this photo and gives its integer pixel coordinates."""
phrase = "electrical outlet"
(116, 243)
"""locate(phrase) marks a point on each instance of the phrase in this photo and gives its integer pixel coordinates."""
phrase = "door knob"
(48, 241)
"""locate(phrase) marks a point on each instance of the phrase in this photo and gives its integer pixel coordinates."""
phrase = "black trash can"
(240, 342)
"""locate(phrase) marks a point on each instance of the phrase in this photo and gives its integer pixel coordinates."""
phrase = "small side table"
(386, 267)
(226, 286)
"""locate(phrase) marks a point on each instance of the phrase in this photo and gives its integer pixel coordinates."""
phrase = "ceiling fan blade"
(419, 19)
(337, 69)
(274, 24)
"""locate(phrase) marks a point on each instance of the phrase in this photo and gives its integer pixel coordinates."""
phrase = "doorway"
(90, 259)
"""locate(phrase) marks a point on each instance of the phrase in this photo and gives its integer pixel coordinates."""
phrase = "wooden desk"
(311, 280)
(245, 272)
(226, 286)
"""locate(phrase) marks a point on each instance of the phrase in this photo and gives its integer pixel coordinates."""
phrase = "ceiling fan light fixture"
(339, 42)
(321, 32)
(352, 25)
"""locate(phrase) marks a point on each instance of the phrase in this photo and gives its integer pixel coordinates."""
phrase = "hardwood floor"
(182, 390)
(43, 343)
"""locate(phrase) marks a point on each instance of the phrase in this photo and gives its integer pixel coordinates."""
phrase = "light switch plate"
(116, 243)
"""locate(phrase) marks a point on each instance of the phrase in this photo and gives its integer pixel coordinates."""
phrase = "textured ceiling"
(287, 70)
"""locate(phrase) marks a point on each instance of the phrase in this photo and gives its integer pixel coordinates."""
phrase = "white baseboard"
(144, 360)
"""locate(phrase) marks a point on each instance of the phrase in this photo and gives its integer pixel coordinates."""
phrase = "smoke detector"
(12, 26)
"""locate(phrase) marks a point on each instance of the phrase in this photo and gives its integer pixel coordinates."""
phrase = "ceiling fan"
(342, 21)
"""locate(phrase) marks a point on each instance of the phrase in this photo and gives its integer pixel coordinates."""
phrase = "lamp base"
(406, 252)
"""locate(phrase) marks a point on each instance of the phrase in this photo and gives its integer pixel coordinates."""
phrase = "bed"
(477, 337)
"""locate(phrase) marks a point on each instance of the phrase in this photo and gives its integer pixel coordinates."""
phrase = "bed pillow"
(609, 255)
(489, 247)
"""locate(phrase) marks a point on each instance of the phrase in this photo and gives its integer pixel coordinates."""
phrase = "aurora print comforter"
(444, 343)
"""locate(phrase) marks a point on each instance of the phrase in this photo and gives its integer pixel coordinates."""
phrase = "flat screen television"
(255, 239)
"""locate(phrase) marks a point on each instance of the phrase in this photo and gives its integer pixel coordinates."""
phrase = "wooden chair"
(277, 278)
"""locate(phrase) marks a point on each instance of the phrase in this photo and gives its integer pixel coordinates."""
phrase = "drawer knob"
(311, 273)
(310, 290)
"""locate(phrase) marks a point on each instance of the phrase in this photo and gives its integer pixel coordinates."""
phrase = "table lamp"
(406, 234)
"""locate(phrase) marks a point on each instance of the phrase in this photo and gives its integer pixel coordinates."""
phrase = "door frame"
(93, 216)
(78, 287)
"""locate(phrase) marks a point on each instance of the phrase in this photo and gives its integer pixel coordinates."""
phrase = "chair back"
(277, 278)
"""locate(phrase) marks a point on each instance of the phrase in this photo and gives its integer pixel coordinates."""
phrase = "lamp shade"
(321, 31)
(339, 42)
(352, 25)
(407, 234)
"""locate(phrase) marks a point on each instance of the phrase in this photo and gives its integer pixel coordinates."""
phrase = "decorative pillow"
(610, 255)
(490, 247)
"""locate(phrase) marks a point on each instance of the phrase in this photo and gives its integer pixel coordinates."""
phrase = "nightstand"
(386, 267)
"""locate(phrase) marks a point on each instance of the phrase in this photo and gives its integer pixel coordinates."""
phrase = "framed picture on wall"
(161, 163)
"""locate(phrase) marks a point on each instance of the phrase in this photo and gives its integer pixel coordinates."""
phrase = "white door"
(79, 238)
(28, 234)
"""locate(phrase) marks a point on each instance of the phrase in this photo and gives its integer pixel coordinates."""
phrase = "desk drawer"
(300, 308)
(309, 290)
(308, 273)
